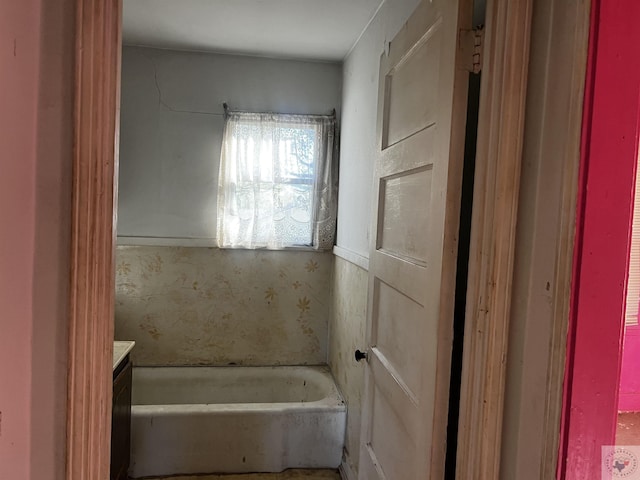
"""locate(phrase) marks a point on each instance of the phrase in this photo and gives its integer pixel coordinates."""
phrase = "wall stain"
(304, 305)
(154, 264)
(203, 306)
(123, 268)
(311, 266)
(270, 294)
(347, 323)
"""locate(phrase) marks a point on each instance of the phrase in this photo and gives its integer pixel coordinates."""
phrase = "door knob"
(360, 355)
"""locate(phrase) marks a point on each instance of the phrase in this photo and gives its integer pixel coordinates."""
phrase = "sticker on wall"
(621, 461)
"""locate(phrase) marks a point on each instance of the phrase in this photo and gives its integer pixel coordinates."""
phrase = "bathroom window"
(278, 185)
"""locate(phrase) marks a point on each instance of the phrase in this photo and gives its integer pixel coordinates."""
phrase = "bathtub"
(198, 420)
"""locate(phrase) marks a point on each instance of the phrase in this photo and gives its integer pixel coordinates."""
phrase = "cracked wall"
(171, 129)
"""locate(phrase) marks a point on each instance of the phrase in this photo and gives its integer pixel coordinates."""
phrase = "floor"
(628, 431)
(286, 475)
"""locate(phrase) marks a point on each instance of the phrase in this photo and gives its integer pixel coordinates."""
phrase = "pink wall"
(608, 164)
(629, 398)
(36, 80)
(54, 142)
(19, 38)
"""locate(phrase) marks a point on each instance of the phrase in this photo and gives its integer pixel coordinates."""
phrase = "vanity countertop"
(120, 351)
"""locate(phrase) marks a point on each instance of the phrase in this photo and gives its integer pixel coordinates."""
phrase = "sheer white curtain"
(278, 181)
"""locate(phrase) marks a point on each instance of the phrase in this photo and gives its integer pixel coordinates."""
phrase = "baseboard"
(346, 472)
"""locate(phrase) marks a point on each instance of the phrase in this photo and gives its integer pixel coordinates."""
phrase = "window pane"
(270, 166)
(293, 215)
(297, 151)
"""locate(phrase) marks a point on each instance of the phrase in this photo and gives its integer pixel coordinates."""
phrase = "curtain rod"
(227, 111)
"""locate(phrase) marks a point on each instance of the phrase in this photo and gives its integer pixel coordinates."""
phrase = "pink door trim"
(606, 185)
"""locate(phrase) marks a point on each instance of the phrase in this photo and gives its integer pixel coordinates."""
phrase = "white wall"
(171, 128)
(358, 148)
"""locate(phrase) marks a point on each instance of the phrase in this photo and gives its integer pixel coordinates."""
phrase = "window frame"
(322, 129)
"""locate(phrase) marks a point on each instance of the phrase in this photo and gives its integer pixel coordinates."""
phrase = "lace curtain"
(278, 181)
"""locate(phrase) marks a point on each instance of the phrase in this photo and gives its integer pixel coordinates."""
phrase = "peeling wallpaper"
(346, 334)
(207, 306)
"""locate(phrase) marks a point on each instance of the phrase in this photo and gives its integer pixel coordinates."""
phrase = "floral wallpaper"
(347, 327)
(209, 306)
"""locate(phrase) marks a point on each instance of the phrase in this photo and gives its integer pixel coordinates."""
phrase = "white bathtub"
(190, 420)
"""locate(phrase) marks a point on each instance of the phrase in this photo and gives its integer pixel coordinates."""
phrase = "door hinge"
(471, 45)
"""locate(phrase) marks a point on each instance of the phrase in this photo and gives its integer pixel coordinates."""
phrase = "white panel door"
(418, 175)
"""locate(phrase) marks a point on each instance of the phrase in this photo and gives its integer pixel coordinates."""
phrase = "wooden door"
(421, 126)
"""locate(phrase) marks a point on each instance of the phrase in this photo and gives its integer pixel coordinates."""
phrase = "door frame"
(98, 50)
(503, 93)
(610, 132)
(544, 240)
(94, 192)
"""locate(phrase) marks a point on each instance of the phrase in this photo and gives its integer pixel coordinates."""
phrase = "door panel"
(421, 122)
(410, 107)
(394, 334)
(391, 428)
(403, 199)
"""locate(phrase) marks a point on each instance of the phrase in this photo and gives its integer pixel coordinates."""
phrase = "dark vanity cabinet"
(121, 420)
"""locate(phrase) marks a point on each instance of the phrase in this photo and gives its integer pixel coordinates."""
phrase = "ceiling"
(302, 29)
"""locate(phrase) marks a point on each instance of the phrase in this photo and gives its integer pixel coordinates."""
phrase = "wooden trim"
(351, 257)
(166, 242)
(544, 240)
(572, 21)
(495, 205)
(98, 47)
(346, 472)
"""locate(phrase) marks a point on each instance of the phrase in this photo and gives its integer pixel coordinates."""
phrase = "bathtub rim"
(319, 406)
(333, 400)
